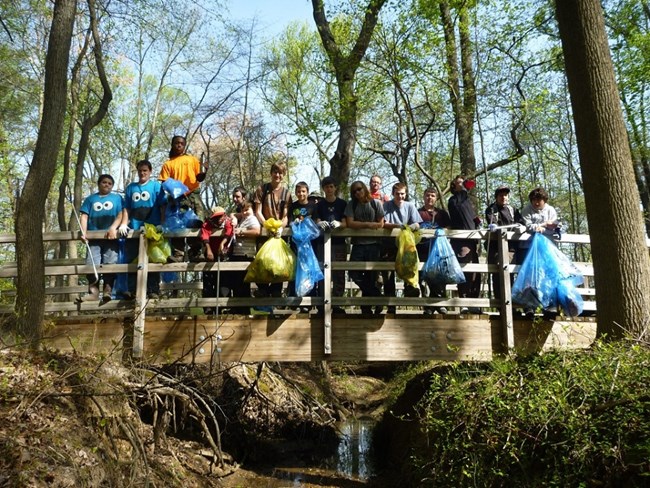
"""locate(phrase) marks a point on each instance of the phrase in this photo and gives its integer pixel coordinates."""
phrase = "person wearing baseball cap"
(498, 214)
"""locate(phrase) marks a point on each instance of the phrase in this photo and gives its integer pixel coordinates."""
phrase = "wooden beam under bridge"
(292, 338)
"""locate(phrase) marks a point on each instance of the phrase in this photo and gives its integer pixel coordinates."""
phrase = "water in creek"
(350, 467)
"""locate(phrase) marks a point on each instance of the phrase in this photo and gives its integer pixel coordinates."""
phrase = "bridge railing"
(184, 296)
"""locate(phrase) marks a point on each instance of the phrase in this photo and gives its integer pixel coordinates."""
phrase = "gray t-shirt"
(364, 212)
(405, 214)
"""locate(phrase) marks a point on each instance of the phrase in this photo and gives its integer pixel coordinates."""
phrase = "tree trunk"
(345, 68)
(30, 298)
(621, 261)
(463, 99)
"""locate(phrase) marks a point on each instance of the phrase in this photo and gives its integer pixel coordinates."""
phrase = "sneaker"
(411, 291)
(175, 258)
(128, 295)
(392, 310)
(428, 311)
(442, 310)
(464, 310)
(366, 310)
(105, 299)
(475, 310)
(338, 310)
(89, 297)
(305, 310)
(379, 309)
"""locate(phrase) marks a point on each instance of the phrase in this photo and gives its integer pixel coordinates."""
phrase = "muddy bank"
(68, 420)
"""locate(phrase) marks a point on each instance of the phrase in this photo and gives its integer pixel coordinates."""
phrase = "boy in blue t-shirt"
(143, 201)
(101, 211)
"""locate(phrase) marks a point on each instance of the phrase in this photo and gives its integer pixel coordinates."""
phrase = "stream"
(350, 467)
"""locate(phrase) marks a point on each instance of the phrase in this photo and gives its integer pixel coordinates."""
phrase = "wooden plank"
(381, 338)
(86, 335)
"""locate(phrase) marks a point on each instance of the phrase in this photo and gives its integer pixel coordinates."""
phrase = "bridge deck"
(205, 339)
(174, 328)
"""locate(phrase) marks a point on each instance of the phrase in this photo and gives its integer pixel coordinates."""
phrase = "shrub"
(559, 419)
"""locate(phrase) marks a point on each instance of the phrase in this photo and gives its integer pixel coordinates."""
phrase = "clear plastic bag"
(308, 271)
(407, 261)
(275, 262)
(442, 267)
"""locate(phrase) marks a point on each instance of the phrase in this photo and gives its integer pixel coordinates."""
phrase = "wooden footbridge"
(175, 328)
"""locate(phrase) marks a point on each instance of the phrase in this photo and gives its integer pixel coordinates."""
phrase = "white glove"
(492, 227)
(335, 224)
(123, 230)
(323, 225)
(414, 226)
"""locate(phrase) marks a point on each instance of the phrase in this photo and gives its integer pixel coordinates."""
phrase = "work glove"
(335, 224)
(324, 225)
(492, 227)
(414, 226)
(123, 230)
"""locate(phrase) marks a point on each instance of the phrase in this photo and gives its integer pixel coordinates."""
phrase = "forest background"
(416, 91)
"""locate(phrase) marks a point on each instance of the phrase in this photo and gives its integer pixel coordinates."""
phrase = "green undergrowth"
(559, 419)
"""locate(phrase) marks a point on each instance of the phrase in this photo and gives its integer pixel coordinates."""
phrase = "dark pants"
(234, 281)
(466, 252)
(366, 280)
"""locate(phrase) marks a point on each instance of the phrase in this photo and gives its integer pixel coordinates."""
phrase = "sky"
(272, 17)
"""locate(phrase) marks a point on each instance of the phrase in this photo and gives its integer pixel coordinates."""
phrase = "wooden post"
(327, 291)
(505, 307)
(140, 297)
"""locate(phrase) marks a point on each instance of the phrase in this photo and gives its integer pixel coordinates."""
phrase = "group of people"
(145, 201)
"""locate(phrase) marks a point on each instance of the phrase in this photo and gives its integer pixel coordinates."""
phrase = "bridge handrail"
(142, 268)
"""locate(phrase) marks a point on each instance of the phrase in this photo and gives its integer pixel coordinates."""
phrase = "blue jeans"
(103, 251)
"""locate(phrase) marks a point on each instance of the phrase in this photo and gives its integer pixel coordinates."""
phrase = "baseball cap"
(501, 189)
(217, 212)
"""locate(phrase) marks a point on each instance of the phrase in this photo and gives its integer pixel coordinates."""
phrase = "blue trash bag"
(170, 277)
(174, 188)
(569, 298)
(544, 276)
(308, 271)
(173, 220)
(191, 220)
(442, 266)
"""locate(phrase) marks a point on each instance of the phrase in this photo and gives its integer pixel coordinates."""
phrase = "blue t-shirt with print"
(102, 210)
(144, 202)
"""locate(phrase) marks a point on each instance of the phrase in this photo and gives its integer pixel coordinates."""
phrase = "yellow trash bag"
(275, 262)
(406, 261)
(158, 248)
